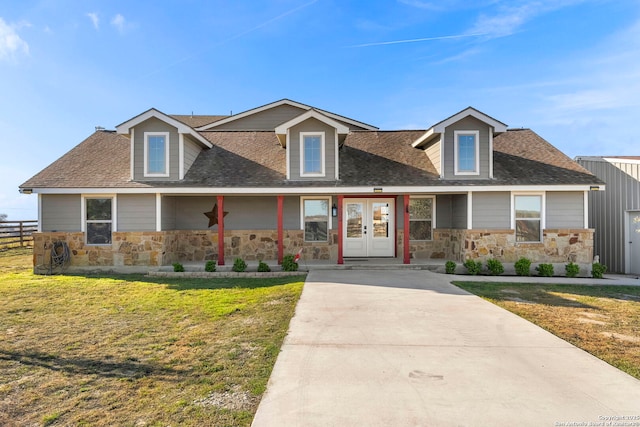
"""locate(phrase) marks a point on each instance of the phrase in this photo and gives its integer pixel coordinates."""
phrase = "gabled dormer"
(162, 148)
(461, 146)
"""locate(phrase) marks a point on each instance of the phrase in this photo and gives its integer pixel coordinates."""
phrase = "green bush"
(450, 267)
(239, 265)
(495, 267)
(288, 263)
(177, 267)
(210, 266)
(597, 270)
(473, 267)
(263, 267)
(523, 267)
(572, 269)
(545, 270)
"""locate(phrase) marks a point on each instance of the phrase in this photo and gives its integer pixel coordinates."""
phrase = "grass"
(136, 351)
(602, 320)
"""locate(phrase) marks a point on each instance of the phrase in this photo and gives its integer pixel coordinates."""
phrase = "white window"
(312, 154)
(156, 154)
(316, 219)
(421, 218)
(466, 152)
(528, 210)
(99, 223)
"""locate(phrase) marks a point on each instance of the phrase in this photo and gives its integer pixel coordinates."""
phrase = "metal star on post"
(213, 215)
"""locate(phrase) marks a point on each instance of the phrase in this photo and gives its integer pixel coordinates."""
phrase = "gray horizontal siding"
(444, 211)
(168, 213)
(155, 125)
(313, 125)
(264, 120)
(459, 211)
(191, 151)
(565, 209)
(136, 212)
(61, 212)
(492, 210)
(466, 124)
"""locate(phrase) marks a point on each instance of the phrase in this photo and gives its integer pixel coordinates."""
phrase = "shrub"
(545, 270)
(597, 270)
(572, 269)
(177, 267)
(288, 263)
(473, 267)
(263, 267)
(210, 266)
(523, 267)
(450, 267)
(495, 267)
(239, 265)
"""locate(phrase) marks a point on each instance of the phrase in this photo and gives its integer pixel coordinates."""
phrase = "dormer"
(312, 140)
(162, 148)
(461, 146)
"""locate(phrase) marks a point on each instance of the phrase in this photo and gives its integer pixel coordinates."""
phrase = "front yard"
(603, 320)
(136, 351)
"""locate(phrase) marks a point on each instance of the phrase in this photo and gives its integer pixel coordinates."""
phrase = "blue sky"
(568, 69)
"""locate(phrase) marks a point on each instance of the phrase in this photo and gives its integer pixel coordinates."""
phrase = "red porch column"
(220, 230)
(340, 232)
(280, 230)
(405, 240)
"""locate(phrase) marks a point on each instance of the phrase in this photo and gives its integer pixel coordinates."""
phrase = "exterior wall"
(471, 124)
(459, 211)
(446, 245)
(155, 125)
(607, 208)
(61, 212)
(444, 211)
(136, 212)
(191, 151)
(492, 210)
(168, 213)
(564, 209)
(433, 153)
(264, 120)
(330, 143)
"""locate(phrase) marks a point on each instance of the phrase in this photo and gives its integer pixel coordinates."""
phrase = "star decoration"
(213, 215)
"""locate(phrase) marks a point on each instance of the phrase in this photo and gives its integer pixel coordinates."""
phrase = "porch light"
(334, 210)
(377, 189)
(594, 188)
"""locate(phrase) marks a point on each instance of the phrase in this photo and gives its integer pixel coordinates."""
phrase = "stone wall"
(446, 244)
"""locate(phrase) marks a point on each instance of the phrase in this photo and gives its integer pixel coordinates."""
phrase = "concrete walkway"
(406, 348)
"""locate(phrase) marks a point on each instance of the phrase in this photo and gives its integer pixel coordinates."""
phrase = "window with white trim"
(316, 219)
(466, 152)
(312, 154)
(156, 154)
(528, 218)
(98, 220)
(421, 218)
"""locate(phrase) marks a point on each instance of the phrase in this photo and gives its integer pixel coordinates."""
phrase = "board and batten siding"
(467, 124)
(191, 151)
(607, 209)
(312, 125)
(155, 125)
(492, 210)
(136, 212)
(61, 212)
(564, 209)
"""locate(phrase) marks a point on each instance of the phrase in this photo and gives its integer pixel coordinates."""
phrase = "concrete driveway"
(405, 348)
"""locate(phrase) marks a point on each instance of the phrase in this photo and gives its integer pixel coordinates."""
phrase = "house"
(615, 214)
(287, 176)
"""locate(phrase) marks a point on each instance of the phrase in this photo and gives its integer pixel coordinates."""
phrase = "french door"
(369, 227)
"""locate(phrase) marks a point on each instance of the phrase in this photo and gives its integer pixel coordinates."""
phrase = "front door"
(369, 227)
(634, 243)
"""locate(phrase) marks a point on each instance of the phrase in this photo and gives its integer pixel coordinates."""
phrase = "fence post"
(21, 234)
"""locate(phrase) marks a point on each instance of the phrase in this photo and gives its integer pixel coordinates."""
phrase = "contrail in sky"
(425, 39)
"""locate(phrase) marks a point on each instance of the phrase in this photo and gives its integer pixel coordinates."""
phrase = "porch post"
(220, 230)
(405, 241)
(280, 230)
(340, 232)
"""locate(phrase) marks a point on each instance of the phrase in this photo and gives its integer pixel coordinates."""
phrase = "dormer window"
(467, 158)
(156, 154)
(312, 158)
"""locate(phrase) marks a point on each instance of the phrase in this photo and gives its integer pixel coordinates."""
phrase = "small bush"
(239, 265)
(495, 267)
(450, 267)
(288, 263)
(597, 270)
(177, 267)
(473, 267)
(572, 269)
(523, 267)
(545, 270)
(210, 266)
(263, 267)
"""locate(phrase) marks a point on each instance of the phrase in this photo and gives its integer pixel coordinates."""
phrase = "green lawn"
(136, 351)
(603, 320)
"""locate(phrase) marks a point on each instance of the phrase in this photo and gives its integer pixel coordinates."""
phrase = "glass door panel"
(354, 220)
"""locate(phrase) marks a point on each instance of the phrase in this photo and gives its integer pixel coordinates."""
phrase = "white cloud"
(118, 21)
(94, 20)
(10, 41)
